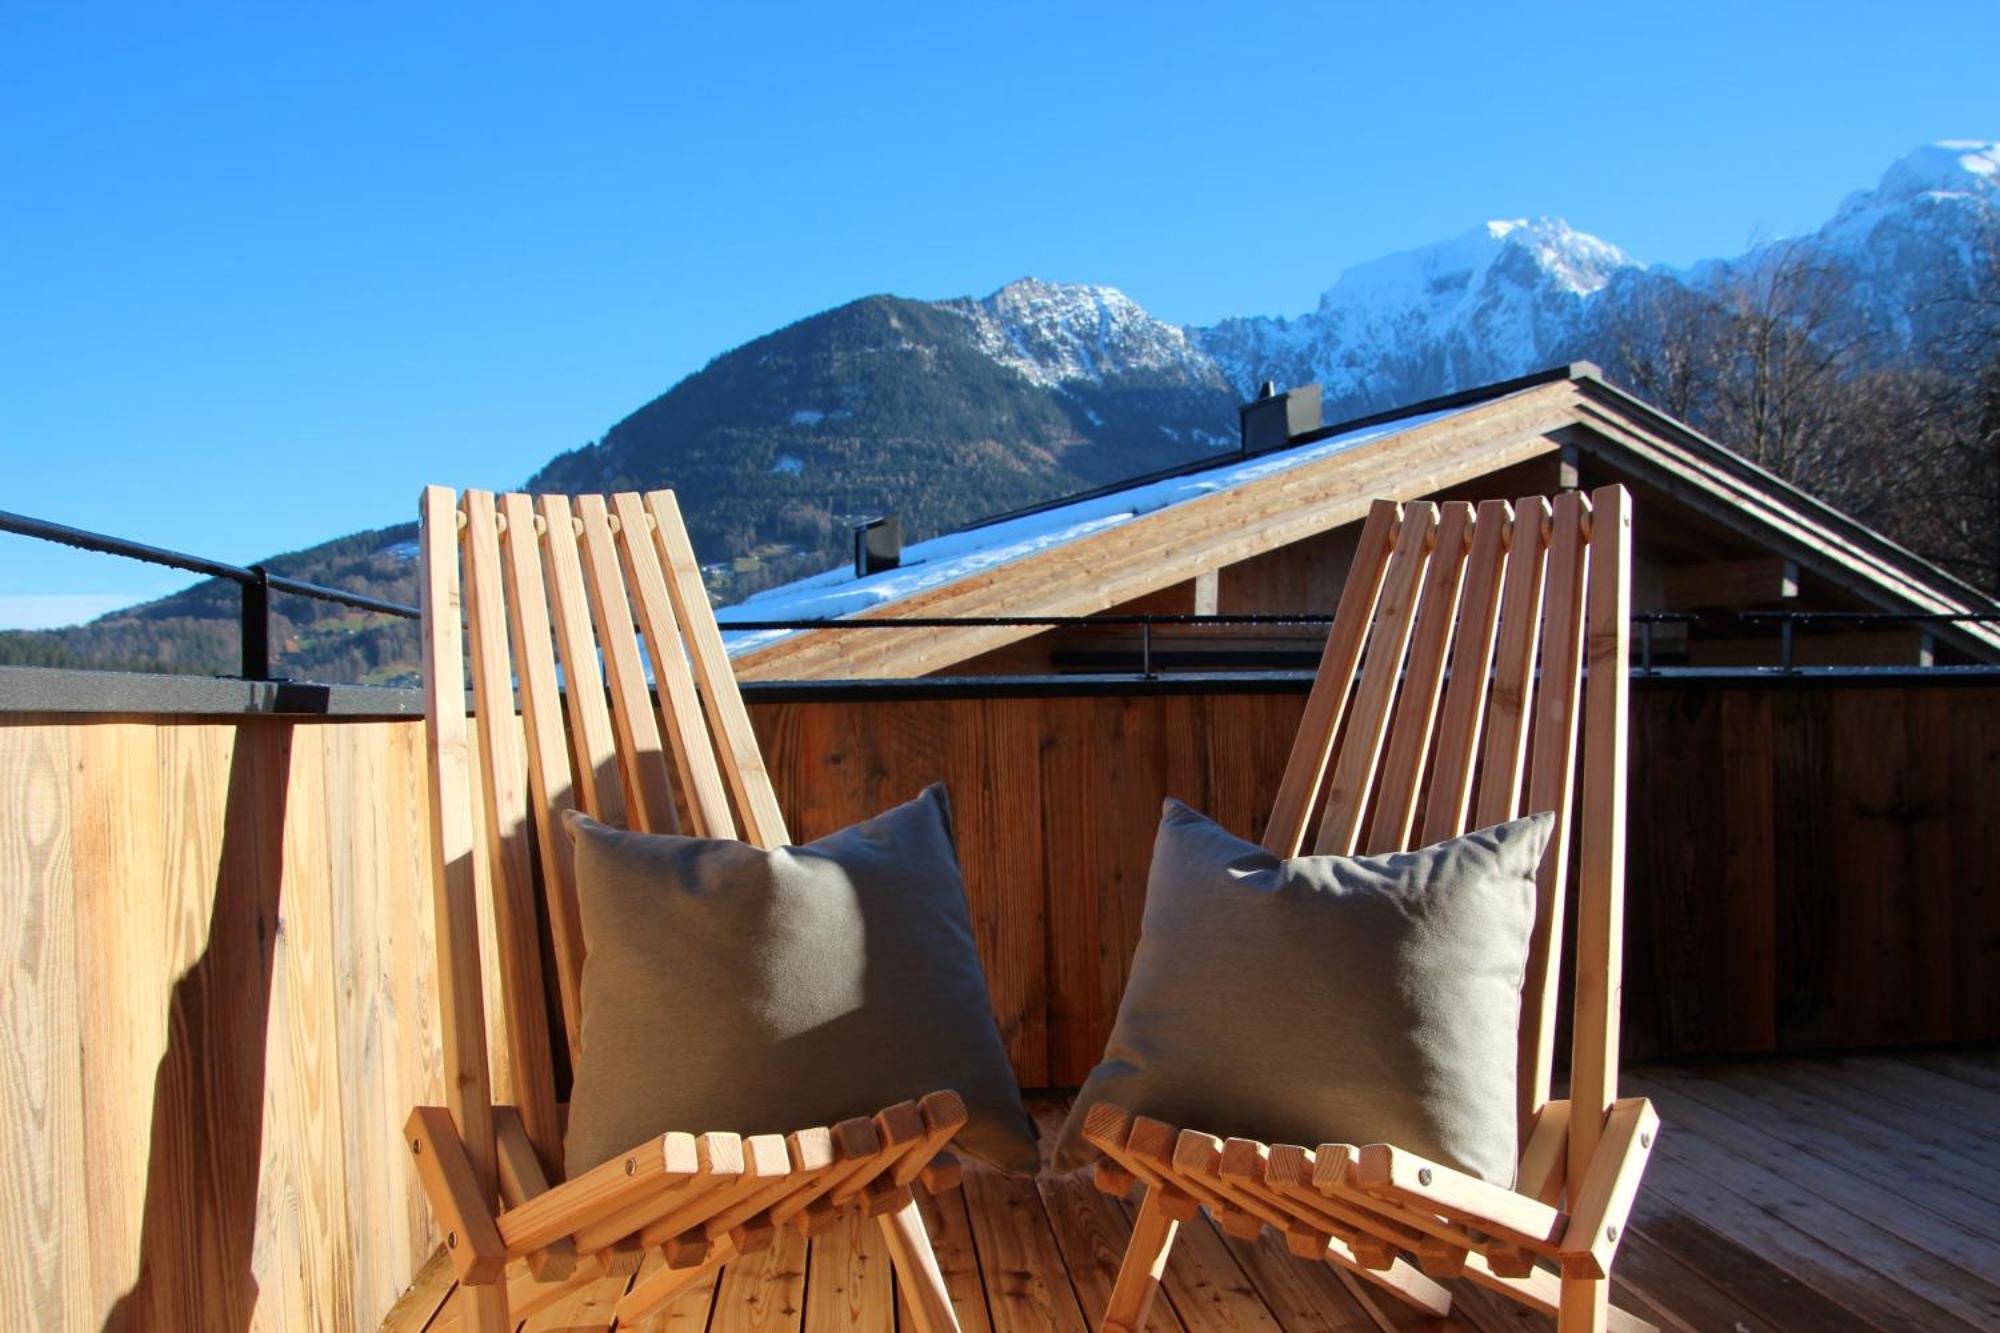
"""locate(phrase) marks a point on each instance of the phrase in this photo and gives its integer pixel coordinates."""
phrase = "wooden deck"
(1825, 1194)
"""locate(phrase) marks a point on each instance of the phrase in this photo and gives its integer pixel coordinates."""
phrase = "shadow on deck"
(1799, 1194)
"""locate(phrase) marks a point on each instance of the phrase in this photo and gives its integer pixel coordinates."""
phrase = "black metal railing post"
(257, 625)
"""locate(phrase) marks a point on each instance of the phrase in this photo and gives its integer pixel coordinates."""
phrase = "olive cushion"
(1327, 999)
(726, 987)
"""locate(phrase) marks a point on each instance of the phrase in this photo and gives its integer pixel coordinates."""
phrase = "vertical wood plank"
(736, 743)
(1504, 765)
(641, 756)
(694, 752)
(1551, 783)
(551, 780)
(468, 1088)
(1361, 748)
(46, 1281)
(1600, 917)
(1409, 737)
(503, 789)
(1461, 725)
(599, 788)
(1298, 790)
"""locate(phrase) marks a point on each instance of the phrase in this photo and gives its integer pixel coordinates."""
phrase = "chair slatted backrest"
(1450, 697)
(590, 612)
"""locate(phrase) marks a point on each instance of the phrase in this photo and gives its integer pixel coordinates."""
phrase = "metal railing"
(258, 583)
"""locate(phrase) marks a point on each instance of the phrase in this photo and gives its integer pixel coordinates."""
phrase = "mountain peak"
(1950, 166)
(1952, 172)
(1055, 333)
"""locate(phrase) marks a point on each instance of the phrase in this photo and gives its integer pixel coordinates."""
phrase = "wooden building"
(1269, 532)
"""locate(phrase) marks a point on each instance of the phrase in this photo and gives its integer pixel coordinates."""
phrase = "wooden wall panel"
(220, 998)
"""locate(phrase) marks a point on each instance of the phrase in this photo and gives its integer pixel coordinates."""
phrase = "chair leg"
(1586, 1305)
(917, 1271)
(483, 1309)
(1153, 1234)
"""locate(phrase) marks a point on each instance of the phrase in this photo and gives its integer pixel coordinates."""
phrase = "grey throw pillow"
(727, 987)
(1327, 999)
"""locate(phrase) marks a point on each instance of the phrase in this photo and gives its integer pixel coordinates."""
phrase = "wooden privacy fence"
(219, 999)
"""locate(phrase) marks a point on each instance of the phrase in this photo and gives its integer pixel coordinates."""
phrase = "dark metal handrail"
(257, 582)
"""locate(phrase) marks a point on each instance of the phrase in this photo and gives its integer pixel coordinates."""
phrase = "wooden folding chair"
(1470, 630)
(550, 580)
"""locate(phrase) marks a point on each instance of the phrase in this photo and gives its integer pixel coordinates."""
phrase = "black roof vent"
(878, 545)
(1273, 419)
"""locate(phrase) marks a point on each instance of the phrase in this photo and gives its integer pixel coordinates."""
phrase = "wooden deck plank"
(850, 1283)
(1923, 1196)
(1805, 1245)
(1920, 1090)
(1027, 1285)
(951, 1239)
(1978, 1155)
(1303, 1297)
(763, 1292)
(1670, 1247)
(1979, 1068)
(686, 1313)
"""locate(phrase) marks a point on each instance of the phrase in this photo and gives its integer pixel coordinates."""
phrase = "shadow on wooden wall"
(200, 1217)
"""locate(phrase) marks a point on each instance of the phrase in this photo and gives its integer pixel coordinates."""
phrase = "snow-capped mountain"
(1512, 296)
(1902, 258)
(1489, 304)
(1056, 334)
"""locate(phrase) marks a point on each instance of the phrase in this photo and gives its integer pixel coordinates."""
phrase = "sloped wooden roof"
(1486, 431)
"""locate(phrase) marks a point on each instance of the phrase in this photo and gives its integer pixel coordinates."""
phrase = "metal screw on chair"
(1611, 1232)
(451, 1239)
(631, 1167)
(1645, 1140)
(1423, 1175)
(417, 1146)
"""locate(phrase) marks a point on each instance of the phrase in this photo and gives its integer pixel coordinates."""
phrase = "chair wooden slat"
(641, 754)
(680, 706)
(1305, 768)
(1409, 742)
(505, 826)
(1361, 748)
(1551, 783)
(600, 791)
(1504, 766)
(729, 722)
(551, 784)
(1459, 726)
(1600, 915)
(455, 893)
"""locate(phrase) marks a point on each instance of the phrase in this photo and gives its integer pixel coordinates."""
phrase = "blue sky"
(266, 269)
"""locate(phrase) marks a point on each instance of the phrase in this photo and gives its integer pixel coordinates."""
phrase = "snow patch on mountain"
(1060, 333)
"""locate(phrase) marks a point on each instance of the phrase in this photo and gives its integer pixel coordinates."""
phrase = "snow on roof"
(955, 555)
